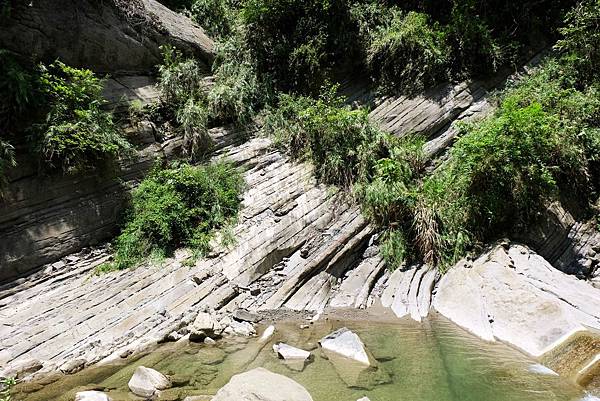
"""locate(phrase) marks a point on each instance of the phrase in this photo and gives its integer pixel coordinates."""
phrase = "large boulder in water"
(146, 382)
(262, 385)
(346, 343)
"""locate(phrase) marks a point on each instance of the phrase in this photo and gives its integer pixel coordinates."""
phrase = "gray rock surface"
(116, 36)
(261, 385)
(347, 344)
(515, 296)
(147, 382)
(91, 396)
(205, 325)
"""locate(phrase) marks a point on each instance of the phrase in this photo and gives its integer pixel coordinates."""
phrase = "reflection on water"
(430, 361)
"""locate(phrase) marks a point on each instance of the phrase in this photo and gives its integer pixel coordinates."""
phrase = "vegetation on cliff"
(179, 206)
(56, 111)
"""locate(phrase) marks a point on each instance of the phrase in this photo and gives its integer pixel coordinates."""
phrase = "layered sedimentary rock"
(512, 294)
(113, 36)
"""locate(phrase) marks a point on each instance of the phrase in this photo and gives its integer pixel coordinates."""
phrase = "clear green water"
(430, 361)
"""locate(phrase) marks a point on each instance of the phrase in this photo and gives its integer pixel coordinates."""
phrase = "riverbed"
(429, 361)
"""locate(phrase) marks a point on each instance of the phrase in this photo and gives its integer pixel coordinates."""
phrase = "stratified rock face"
(514, 295)
(106, 36)
(261, 385)
(145, 382)
(91, 396)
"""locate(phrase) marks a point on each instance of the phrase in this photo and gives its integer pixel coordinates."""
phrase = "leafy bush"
(475, 49)
(217, 17)
(581, 38)
(184, 95)
(238, 92)
(6, 385)
(177, 207)
(341, 142)
(16, 90)
(76, 133)
(409, 52)
(297, 43)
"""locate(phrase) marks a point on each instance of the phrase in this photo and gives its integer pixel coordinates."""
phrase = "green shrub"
(178, 207)
(409, 53)
(17, 90)
(238, 92)
(6, 385)
(217, 17)
(341, 142)
(76, 133)
(475, 49)
(184, 96)
(581, 38)
(297, 43)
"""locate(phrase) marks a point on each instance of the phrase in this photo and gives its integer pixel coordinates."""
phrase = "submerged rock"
(267, 334)
(346, 343)
(541, 370)
(91, 396)
(364, 399)
(288, 352)
(145, 382)
(244, 315)
(262, 385)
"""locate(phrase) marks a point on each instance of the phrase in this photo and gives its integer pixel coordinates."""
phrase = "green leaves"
(76, 133)
(176, 207)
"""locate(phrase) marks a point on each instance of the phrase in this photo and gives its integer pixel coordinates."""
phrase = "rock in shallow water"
(205, 325)
(91, 396)
(262, 385)
(541, 370)
(145, 382)
(346, 343)
(288, 352)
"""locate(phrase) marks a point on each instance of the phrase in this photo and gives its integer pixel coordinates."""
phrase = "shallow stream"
(429, 361)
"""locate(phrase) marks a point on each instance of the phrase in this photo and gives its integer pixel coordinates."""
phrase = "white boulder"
(205, 325)
(346, 343)
(541, 370)
(288, 352)
(145, 382)
(262, 385)
(267, 334)
(91, 396)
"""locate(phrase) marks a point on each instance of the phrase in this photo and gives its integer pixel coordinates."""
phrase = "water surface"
(429, 361)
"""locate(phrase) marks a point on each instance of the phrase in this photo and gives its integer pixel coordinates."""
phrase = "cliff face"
(108, 36)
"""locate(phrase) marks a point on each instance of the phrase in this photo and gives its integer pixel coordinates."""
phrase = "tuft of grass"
(181, 206)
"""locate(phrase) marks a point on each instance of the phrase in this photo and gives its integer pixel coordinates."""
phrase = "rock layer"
(113, 36)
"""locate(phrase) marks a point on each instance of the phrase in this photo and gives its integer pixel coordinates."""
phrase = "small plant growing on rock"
(6, 385)
(181, 206)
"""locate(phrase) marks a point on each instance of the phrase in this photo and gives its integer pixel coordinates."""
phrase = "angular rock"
(23, 368)
(205, 325)
(242, 328)
(72, 366)
(364, 399)
(287, 352)
(541, 370)
(146, 382)
(243, 315)
(347, 344)
(261, 385)
(91, 396)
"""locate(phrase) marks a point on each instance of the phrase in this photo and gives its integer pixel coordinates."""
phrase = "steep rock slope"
(113, 36)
